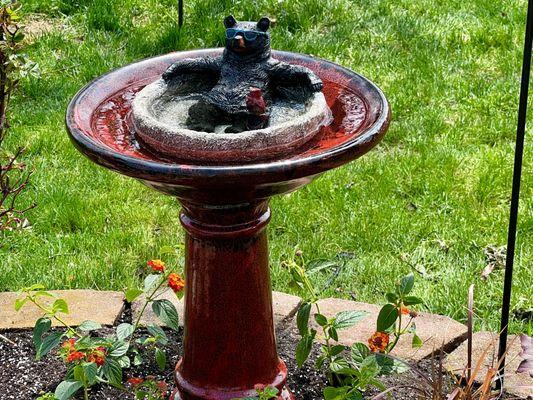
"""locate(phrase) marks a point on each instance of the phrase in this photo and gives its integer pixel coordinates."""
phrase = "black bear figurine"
(247, 79)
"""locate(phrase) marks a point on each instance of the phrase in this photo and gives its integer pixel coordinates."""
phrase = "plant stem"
(148, 300)
(58, 319)
(7, 340)
(398, 331)
(85, 393)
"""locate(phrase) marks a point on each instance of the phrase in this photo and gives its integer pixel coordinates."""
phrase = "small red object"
(255, 103)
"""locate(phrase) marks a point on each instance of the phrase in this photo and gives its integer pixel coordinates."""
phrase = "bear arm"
(285, 72)
(193, 65)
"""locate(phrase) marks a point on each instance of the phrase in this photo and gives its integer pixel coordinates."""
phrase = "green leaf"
(167, 313)
(392, 297)
(87, 326)
(387, 317)
(66, 389)
(137, 360)
(112, 371)
(270, 392)
(132, 294)
(320, 265)
(19, 303)
(124, 331)
(90, 369)
(160, 358)
(302, 318)
(336, 350)
(412, 300)
(390, 365)
(319, 363)
(321, 320)
(158, 333)
(61, 306)
(33, 288)
(360, 351)
(346, 319)
(416, 342)
(124, 361)
(42, 325)
(333, 333)
(303, 349)
(79, 374)
(340, 366)
(406, 285)
(336, 393)
(357, 395)
(49, 343)
(150, 281)
(118, 349)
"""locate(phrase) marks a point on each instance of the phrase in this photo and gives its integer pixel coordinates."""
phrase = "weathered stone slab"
(520, 385)
(436, 331)
(103, 307)
(282, 303)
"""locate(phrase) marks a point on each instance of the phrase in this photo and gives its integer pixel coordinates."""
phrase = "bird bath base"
(229, 340)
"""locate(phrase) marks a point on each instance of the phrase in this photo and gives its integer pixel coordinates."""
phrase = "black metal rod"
(180, 13)
(515, 197)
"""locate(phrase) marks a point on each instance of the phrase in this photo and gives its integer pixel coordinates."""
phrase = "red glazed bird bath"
(229, 341)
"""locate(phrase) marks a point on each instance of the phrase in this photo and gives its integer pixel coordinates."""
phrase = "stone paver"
(103, 307)
(436, 331)
(520, 385)
(283, 304)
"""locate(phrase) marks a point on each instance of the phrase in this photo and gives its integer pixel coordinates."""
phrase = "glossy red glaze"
(229, 344)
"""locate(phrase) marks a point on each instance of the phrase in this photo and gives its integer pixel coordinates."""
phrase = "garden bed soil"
(24, 378)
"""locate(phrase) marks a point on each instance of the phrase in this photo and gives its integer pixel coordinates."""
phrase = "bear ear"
(263, 24)
(230, 21)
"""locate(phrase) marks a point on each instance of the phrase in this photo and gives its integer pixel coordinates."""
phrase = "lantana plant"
(94, 360)
(350, 373)
(263, 393)
(148, 388)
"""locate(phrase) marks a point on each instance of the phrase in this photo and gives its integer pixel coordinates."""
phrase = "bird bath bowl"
(229, 341)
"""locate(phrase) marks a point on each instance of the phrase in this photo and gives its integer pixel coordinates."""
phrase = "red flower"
(379, 342)
(162, 386)
(98, 356)
(74, 356)
(135, 381)
(157, 265)
(176, 282)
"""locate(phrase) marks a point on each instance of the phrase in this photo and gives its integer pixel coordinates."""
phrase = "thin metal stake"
(180, 13)
(517, 175)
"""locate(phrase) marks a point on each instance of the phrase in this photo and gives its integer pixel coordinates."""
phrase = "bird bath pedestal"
(229, 340)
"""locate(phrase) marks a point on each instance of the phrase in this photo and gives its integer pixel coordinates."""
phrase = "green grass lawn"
(428, 199)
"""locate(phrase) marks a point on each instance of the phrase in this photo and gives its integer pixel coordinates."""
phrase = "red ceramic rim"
(86, 101)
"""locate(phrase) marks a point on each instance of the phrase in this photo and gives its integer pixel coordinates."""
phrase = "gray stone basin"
(160, 111)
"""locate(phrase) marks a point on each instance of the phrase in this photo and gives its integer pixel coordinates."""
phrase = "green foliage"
(91, 359)
(263, 393)
(349, 375)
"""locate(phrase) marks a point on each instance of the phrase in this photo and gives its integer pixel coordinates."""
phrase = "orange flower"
(98, 356)
(135, 381)
(74, 356)
(157, 265)
(69, 345)
(379, 342)
(405, 310)
(176, 282)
